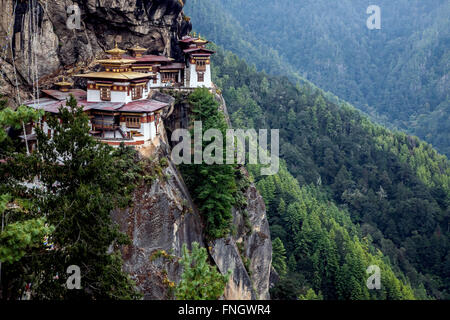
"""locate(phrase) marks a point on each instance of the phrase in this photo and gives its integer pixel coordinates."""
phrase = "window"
(136, 93)
(105, 94)
(200, 65)
(133, 122)
(200, 77)
(169, 77)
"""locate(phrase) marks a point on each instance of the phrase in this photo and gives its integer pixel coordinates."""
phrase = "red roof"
(46, 104)
(149, 58)
(62, 96)
(188, 40)
(103, 105)
(176, 65)
(203, 50)
(148, 105)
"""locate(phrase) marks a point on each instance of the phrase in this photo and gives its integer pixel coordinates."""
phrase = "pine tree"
(199, 280)
(279, 257)
(212, 186)
(80, 182)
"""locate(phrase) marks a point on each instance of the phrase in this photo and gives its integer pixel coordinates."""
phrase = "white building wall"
(147, 131)
(158, 81)
(120, 96)
(93, 95)
(153, 129)
(193, 78)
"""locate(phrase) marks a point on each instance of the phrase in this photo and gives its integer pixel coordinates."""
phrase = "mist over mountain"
(399, 74)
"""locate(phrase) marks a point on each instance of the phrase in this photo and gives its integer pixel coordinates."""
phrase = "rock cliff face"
(248, 252)
(37, 31)
(163, 216)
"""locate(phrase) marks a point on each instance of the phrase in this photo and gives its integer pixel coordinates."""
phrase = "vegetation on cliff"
(212, 186)
(80, 182)
(199, 280)
(395, 188)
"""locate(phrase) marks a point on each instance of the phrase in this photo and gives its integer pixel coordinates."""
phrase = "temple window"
(105, 94)
(200, 65)
(200, 77)
(136, 93)
(133, 122)
(169, 77)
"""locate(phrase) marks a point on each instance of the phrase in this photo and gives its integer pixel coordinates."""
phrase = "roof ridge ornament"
(63, 85)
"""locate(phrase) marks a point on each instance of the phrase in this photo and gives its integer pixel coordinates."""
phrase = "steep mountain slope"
(394, 186)
(324, 251)
(399, 74)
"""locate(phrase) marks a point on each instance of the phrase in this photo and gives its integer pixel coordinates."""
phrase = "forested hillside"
(394, 187)
(317, 250)
(399, 74)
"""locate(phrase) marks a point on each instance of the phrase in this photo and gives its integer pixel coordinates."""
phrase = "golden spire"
(200, 41)
(64, 85)
(137, 51)
(116, 53)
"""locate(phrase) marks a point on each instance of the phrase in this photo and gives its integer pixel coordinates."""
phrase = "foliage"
(14, 120)
(199, 280)
(310, 295)
(212, 186)
(328, 254)
(394, 186)
(80, 182)
(20, 237)
(398, 75)
(279, 257)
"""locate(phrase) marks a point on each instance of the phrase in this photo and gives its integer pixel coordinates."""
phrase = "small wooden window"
(169, 77)
(133, 122)
(201, 65)
(136, 93)
(105, 94)
(200, 77)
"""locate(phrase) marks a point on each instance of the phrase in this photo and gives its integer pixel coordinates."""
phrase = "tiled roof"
(62, 96)
(150, 58)
(115, 75)
(177, 65)
(146, 105)
(188, 40)
(103, 105)
(46, 104)
(198, 49)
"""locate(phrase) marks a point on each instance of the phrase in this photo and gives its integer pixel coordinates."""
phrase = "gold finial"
(64, 85)
(194, 34)
(116, 53)
(137, 50)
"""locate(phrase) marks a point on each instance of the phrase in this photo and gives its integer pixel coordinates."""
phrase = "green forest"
(387, 192)
(399, 75)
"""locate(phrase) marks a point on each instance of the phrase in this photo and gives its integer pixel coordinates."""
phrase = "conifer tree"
(80, 182)
(199, 280)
